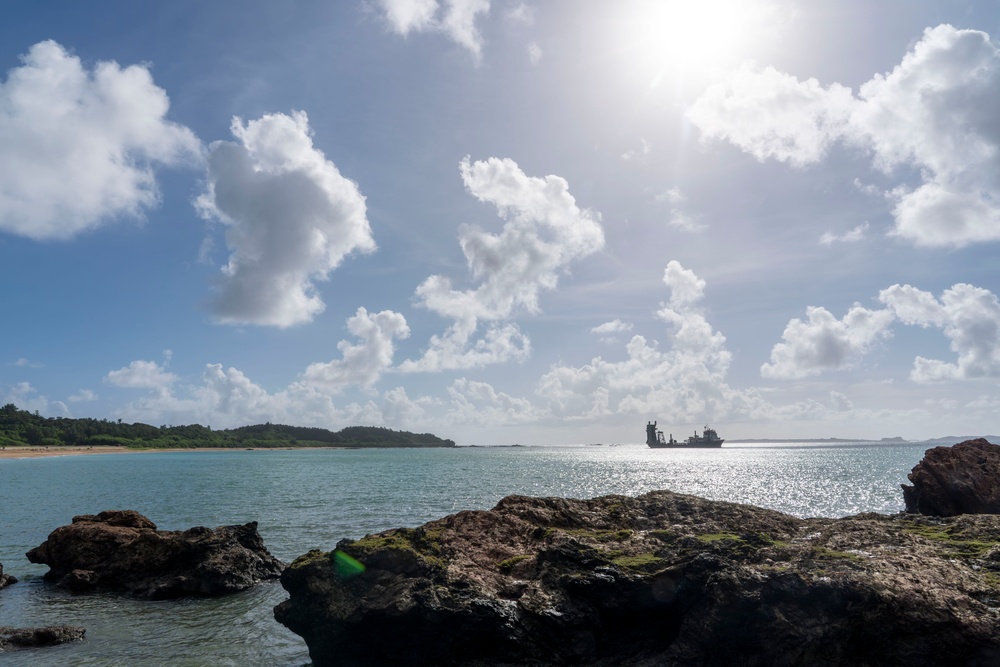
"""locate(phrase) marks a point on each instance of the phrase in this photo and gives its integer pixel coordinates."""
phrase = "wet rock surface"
(961, 479)
(659, 579)
(121, 550)
(14, 638)
(6, 579)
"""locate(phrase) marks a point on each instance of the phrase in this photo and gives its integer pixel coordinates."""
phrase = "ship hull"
(684, 445)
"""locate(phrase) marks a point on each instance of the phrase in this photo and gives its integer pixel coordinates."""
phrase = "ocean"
(307, 499)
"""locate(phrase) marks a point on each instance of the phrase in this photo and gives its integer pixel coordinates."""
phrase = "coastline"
(72, 450)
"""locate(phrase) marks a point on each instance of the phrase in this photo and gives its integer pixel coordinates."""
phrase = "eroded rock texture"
(660, 579)
(13, 638)
(961, 479)
(6, 579)
(121, 550)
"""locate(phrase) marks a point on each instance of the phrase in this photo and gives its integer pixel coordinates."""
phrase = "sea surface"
(314, 498)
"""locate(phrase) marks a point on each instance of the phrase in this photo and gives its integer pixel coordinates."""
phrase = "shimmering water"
(312, 499)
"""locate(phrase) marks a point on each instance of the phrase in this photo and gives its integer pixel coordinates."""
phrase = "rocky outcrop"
(660, 579)
(961, 479)
(12, 638)
(123, 551)
(6, 579)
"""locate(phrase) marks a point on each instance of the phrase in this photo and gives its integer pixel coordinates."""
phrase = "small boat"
(708, 438)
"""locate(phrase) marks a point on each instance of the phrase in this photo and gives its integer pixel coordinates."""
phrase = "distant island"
(19, 428)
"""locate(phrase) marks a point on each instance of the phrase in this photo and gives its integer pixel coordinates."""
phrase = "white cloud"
(361, 364)
(409, 15)
(544, 231)
(686, 288)
(77, 146)
(685, 381)
(291, 218)
(479, 403)
(142, 375)
(851, 236)
(679, 218)
(933, 115)
(26, 397)
(535, 53)
(520, 12)
(83, 396)
(825, 343)
(457, 21)
(969, 317)
(770, 114)
(609, 330)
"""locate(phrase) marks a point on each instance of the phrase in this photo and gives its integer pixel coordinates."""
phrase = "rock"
(11, 638)
(6, 579)
(661, 579)
(123, 551)
(961, 479)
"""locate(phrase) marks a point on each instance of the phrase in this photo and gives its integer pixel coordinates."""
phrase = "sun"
(693, 36)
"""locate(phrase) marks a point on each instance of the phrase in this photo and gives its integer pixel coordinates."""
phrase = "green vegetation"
(416, 542)
(508, 565)
(21, 428)
(647, 562)
(953, 539)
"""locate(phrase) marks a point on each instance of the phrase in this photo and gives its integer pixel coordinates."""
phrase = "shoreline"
(73, 450)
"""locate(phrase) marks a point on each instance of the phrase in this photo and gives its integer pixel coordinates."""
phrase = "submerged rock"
(121, 550)
(961, 479)
(6, 579)
(660, 579)
(11, 638)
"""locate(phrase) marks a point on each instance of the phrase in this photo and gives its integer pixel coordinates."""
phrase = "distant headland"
(20, 428)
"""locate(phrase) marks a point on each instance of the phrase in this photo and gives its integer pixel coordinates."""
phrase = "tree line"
(22, 428)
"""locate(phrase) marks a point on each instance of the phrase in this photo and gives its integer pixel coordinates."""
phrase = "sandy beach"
(69, 450)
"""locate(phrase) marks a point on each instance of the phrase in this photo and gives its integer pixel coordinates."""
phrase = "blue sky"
(505, 221)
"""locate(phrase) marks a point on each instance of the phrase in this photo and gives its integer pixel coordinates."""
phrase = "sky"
(505, 221)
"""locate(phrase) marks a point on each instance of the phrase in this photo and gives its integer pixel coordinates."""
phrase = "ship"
(708, 438)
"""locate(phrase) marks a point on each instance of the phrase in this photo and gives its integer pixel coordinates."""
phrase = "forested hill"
(20, 428)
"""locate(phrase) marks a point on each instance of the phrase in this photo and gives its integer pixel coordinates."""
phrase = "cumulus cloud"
(454, 18)
(544, 232)
(609, 330)
(686, 380)
(932, 114)
(969, 317)
(78, 145)
(26, 397)
(823, 342)
(290, 216)
(141, 375)
(851, 236)
(361, 364)
(770, 114)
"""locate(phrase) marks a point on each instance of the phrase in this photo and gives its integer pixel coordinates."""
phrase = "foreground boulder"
(660, 579)
(6, 579)
(12, 638)
(123, 551)
(961, 479)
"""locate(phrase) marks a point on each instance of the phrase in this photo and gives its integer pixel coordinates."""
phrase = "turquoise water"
(312, 499)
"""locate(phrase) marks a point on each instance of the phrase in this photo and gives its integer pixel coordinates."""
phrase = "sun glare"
(693, 36)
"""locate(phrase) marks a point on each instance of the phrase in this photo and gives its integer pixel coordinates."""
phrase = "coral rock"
(123, 551)
(961, 479)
